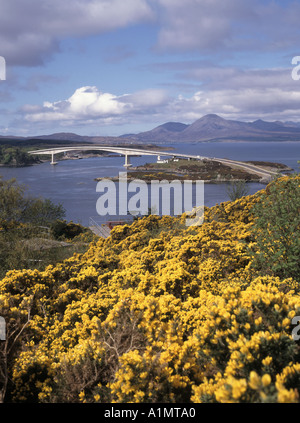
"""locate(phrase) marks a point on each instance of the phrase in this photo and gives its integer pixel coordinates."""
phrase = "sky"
(112, 67)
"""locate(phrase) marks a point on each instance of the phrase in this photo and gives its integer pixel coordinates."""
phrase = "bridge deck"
(127, 152)
(119, 150)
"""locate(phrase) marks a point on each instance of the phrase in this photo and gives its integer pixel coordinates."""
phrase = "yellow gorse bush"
(158, 312)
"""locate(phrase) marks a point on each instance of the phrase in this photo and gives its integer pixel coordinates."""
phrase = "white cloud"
(214, 26)
(190, 24)
(145, 99)
(220, 77)
(30, 30)
(88, 101)
(244, 94)
(89, 104)
(232, 93)
(247, 105)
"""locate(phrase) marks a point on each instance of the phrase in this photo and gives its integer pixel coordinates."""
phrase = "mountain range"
(210, 127)
(214, 128)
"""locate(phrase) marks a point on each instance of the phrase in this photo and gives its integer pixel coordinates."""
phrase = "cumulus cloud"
(270, 94)
(88, 104)
(247, 105)
(30, 31)
(244, 94)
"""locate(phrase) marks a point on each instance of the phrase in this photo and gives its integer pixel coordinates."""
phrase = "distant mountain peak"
(212, 127)
(210, 123)
(212, 116)
(174, 126)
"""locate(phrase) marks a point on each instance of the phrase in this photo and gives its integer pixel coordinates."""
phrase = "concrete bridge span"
(128, 152)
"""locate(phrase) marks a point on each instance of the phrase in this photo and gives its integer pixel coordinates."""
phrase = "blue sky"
(109, 67)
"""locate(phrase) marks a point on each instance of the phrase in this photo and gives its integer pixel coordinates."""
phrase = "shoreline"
(210, 171)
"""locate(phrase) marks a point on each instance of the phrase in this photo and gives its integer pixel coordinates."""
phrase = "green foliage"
(12, 202)
(16, 208)
(237, 189)
(40, 211)
(276, 228)
(14, 156)
(25, 237)
(61, 229)
(162, 313)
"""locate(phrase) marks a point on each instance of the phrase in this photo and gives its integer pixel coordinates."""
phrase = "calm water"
(72, 183)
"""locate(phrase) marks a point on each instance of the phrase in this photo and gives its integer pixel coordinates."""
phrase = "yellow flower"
(97, 397)
(255, 381)
(239, 387)
(82, 396)
(286, 322)
(266, 380)
(267, 361)
(286, 396)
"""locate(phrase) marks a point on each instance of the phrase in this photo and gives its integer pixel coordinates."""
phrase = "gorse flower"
(157, 312)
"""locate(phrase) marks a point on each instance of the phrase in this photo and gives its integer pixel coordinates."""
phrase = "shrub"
(160, 312)
(276, 228)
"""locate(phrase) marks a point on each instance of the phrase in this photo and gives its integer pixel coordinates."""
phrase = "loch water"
(72, 182)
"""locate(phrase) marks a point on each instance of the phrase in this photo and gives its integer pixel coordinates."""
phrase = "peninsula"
(209, 170)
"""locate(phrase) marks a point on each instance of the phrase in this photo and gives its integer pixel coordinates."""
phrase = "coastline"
(210, 171)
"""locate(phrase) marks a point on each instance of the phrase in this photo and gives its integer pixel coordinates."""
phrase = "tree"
(15, 207)
(23, 218)
(237, 189)
(40, 211)
(12, 202)
(14, 156)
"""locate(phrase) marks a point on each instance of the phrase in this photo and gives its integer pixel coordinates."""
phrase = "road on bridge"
(250, 167)
(128, 152)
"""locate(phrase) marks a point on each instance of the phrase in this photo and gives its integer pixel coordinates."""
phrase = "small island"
(208, 170)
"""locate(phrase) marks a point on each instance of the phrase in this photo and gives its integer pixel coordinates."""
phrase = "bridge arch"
(127, 152)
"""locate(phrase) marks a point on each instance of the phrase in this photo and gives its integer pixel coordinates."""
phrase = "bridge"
(125, 151)
(128, 152)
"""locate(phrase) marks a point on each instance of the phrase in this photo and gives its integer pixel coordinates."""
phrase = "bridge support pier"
(127, 161)
(52, 159)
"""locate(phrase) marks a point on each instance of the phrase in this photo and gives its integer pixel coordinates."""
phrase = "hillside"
(214, 128)
(208, 128)
(161, 133)
(164, 313)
